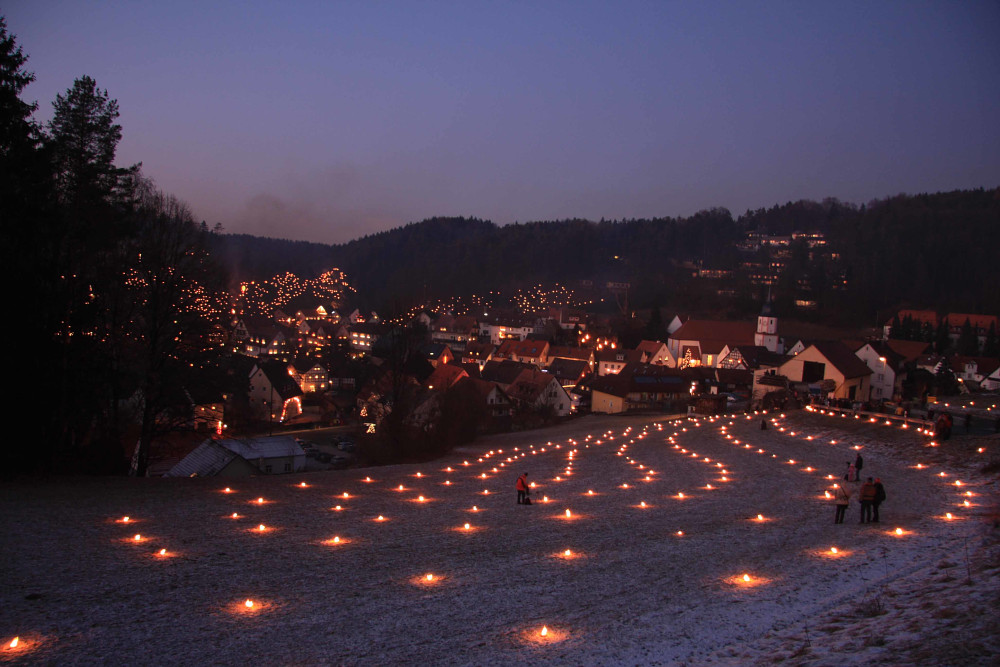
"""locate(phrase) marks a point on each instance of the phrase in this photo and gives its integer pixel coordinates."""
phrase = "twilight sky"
(325, 121)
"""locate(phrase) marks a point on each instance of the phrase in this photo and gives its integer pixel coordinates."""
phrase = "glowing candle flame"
(14, 642)
(260, 501)
(430, 577)
(680, 533)
(568, 515)
(137, 538)
(380, 518)
(163, 552)
(227, 490)
(475, 508)
(420, 498)
(760, 517)
(124, 519)
(337, 508)
(948, 515)
(899, 531)
(303, 484)
(642, 504)
(346, 495)
(746, 578)
(336, 539)
(249, 604)
(235, 515)
(368, 479)
(545, 631)
(545, 499)
(467, 526)
(833, 550)
(261, 528)
(590, 492)
(400, 487)
(567, 553)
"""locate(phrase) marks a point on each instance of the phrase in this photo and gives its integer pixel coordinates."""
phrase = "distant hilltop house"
(231, 457)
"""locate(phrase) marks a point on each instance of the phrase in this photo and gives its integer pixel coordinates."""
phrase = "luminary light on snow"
(235, 515)
(590, 492)
(833, 550)
(545, 631)
(162, 552)
(429, 577)
(337, 508)
(380, 518)
(14, 642)
(760, 517)
(680, 495)
(467, 527)
(137, 538)
(568, 514)
(125, 519)
(475, 508)
(948, 516)
(898, 531)
(368, 479)
(680, 533)
(303, 484)
(260, 501)
(642, 503)
(227, 490)
(545, 499)
(420, 499)
(261, 528)
(746, 578)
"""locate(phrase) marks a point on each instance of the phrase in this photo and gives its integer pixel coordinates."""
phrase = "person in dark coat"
(879, 498)
(858, 464)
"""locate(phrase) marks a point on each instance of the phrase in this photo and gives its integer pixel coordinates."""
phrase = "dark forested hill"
(935, 251)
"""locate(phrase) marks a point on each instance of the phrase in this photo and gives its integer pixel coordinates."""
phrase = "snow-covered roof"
(271, 447)
(207, 460)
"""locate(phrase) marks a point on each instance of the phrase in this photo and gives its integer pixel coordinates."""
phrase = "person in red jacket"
(522, 489)
(867, 499)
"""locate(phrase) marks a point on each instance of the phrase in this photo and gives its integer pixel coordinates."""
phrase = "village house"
(585, 354)
(700, 342)
(242, 457)
(364, 336)
(830, 369)
(641, 387)
(981, 327)
(455, 331)
(611, 361)
(477, 353)
(437, 354)
(537, 390)
(657, 353)
(274, 394)
(526, 351)
(309, 374)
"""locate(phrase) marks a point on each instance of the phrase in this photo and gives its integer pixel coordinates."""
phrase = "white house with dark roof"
(232, 457)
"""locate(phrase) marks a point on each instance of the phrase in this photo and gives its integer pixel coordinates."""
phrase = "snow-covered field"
(655, 584)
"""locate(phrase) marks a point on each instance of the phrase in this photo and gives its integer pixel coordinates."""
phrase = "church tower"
(767, 327)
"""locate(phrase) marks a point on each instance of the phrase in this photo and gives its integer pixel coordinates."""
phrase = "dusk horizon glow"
(326, 123)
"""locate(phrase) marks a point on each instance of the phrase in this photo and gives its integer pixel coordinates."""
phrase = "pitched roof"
(650, 347)
(977, 321)
(529, 348)
(504, 372)
(530, 384)
(619, 355)
(270, 447)
(477, 350)
(284, 384)
(569, 370)
(909, 350)
(207, 460)
(732, 333)
(566, 352)
(445, 376)
(842, 358)
(922, 316)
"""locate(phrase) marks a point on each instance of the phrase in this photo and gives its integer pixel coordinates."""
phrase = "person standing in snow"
(522, 488)
(858, 465)
(842, 498)
(852, 473)
(879, 498)
(867, 498)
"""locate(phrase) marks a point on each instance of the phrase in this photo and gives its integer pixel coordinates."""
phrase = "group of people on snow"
(871, 493)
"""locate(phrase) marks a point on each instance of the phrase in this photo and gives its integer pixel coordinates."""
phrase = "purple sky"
(325, 121)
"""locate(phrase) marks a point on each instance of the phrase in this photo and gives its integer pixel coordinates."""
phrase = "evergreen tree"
(941, 340)
(991, 348)
(968, 341)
